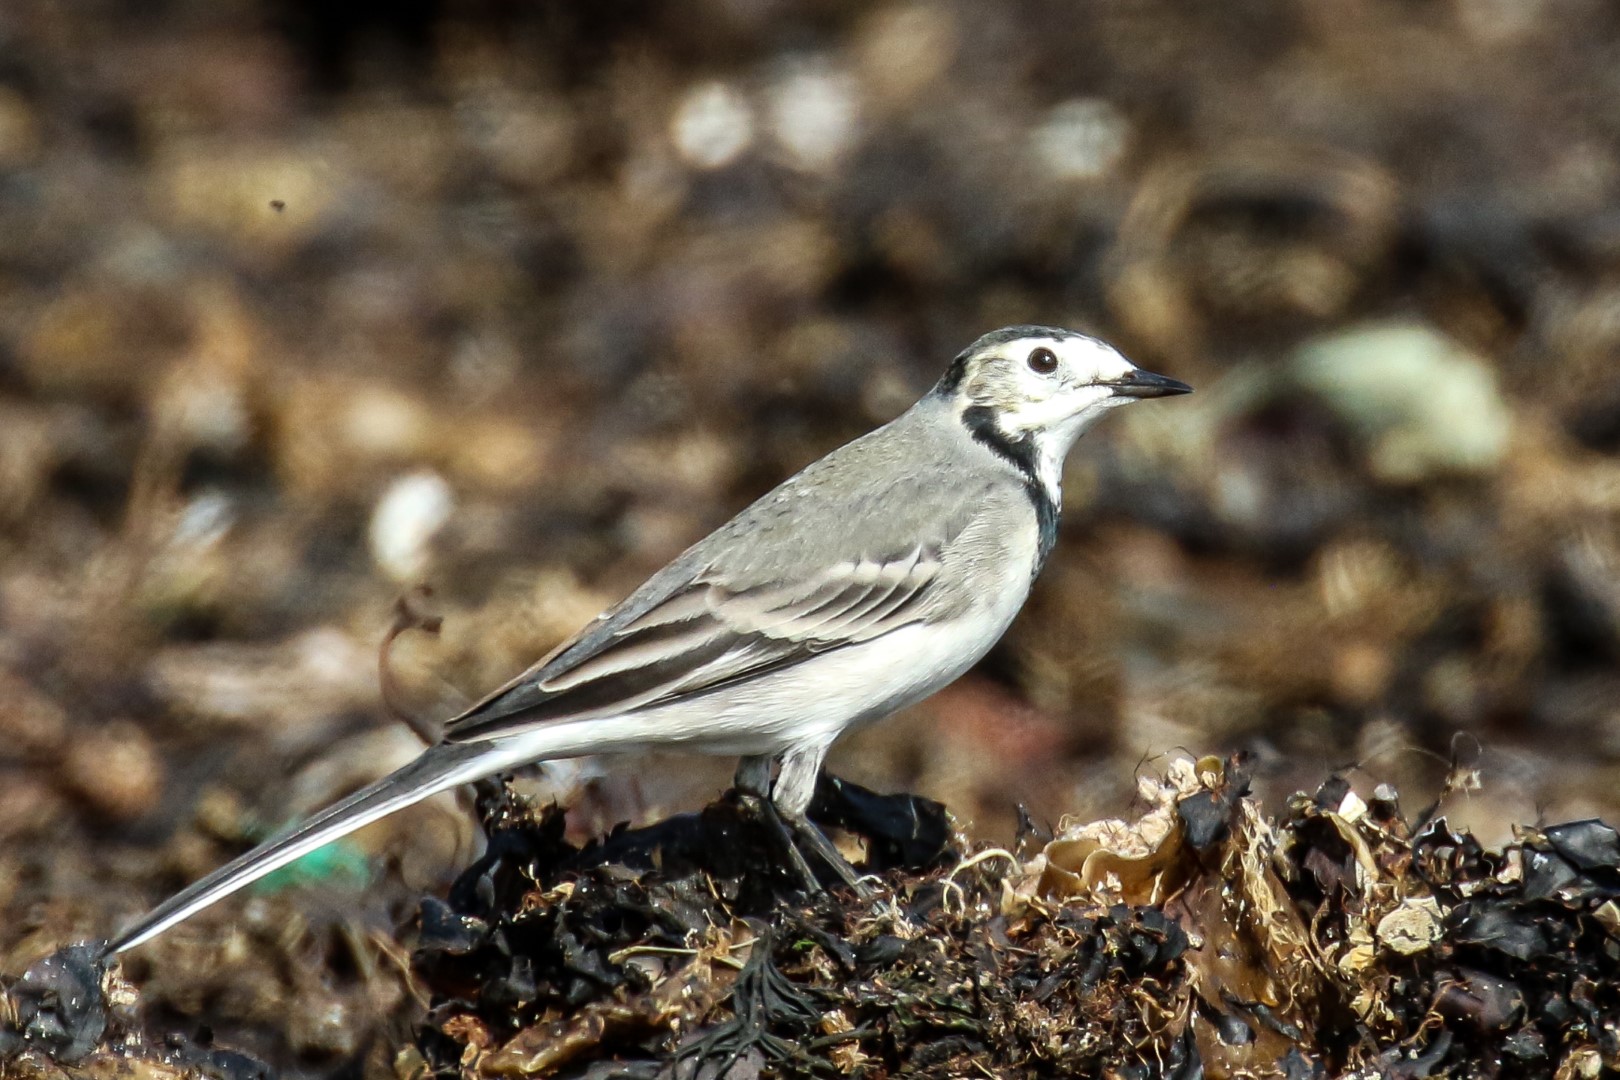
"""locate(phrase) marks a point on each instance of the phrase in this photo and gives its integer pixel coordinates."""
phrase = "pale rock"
(814, 115)
(1081, 139)
(712, 126)
(406, 519)
(1423, 405)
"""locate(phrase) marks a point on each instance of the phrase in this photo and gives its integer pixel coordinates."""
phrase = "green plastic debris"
(337, 861)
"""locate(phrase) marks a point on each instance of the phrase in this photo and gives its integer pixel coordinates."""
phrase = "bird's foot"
(812, 836)
(763, 810)
(791, 833)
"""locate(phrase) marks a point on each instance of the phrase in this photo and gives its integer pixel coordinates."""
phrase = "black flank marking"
(1020, 452)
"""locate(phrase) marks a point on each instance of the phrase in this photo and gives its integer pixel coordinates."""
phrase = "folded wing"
(701, 635)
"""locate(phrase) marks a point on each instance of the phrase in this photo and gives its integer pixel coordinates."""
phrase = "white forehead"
(1087, 358)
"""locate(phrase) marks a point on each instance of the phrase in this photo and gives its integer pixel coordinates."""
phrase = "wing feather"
(759, 593)
(703, 636)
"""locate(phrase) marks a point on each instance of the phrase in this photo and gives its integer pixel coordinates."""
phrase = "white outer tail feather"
(440, 768)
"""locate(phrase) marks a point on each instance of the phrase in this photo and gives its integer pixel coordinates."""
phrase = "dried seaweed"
(1200, 935)
(1199, 938)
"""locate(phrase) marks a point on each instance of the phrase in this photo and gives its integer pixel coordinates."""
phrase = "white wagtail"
(865, 583)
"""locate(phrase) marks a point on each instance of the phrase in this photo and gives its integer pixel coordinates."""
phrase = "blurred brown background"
(302, 306)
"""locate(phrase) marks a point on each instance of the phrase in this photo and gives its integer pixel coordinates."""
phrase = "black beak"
(1145, 384)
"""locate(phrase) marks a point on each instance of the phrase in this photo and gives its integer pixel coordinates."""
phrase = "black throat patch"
(1021, 453)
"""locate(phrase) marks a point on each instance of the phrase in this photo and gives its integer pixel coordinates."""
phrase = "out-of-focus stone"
(322, 1024)
(31, 724)
(1081, 139)
(19, 131)
(333, 433)
(115, 770)
(529, 139)
(264, 197)
(686, 465)
(203, 401)
(1424, 405)
(815, 115)
(188, 570)
(795, 258)
(507, 457)
(904, 50)
(406, 519)
(379, 421)
(83, 343)
(713, 124)
(289, 689)
(27, 804)
(1361, 672)
(1451, 691)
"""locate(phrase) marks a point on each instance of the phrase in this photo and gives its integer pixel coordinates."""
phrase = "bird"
(862, 584)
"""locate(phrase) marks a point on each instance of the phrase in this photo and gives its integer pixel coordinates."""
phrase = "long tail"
(439, 768)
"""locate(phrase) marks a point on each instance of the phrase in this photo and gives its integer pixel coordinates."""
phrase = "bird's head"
(1033, 390)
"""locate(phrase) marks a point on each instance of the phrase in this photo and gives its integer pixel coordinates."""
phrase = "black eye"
(1043, 361)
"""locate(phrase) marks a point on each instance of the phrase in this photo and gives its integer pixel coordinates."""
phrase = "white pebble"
(410, 513)
(1424, 404)
(814, 115)
(712, 126)
(205, 521)
(1081, 139)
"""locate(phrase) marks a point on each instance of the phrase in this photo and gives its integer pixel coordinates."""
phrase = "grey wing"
(703, 634)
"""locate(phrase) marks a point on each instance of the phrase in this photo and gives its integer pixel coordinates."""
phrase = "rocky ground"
(300, 312)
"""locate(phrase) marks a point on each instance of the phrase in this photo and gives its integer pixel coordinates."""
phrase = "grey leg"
(796, 781)
(753, 783)
(786, 831)
(795, 785)
(754, 775)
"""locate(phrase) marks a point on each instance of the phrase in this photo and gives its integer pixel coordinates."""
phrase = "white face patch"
(1031, 396)
(1046, 406)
